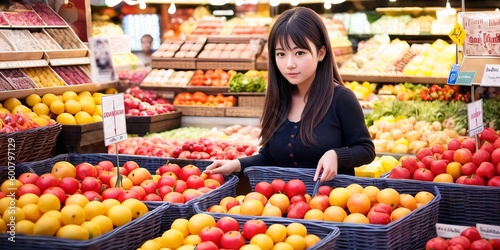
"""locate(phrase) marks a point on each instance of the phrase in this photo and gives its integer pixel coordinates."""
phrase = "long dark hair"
(301, 25)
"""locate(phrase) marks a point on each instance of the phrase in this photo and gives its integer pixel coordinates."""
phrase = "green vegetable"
(240, 82)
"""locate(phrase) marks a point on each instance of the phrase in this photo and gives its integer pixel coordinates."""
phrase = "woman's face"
(298, 65)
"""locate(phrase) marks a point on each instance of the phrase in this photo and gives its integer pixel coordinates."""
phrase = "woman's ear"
(321, 53)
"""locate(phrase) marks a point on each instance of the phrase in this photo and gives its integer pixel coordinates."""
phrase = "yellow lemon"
(20, 109)
(66, 119)
(72, 106)
(88, 98)
(26, 199)
(97, 118)
(3, 226)
(172, 239)
(48, 202)
(57, 107)
(138, 208)
(83, 118)
(120, 215)
(46, 225)
(40, 121)
(97, 98)
(77, 199)
(31, 212)
(41, 109)
(11, 102)
(104, 222)
(72, 214)
(108, 203)
(93, 228)
(74, 232)
(84, 93)
(70, 95)
(98, 110)
(94, 208)
(54, 214)
(16, 212)
(181, 224)
(33, 99)
(87, 106)
(150, 245)
(47, 99)
(25, 227)
(4, 111)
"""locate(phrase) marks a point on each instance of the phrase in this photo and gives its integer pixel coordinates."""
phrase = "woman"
(310, 119)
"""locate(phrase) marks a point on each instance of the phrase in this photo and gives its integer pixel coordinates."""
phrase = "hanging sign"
(491, 75)
(113, 118)
(457, 34)
(475, 117)
(101, 60)
(453, 76)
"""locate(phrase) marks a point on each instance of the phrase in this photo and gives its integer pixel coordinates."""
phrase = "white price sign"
(491, 75)
(449, 231)
(113, 118)
(475, 117)
(489, 231)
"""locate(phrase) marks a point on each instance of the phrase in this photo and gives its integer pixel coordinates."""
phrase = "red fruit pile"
(470, 239)
(18, 122)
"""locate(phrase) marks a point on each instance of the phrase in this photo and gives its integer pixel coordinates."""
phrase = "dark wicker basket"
(409, 232)
(28, 145)
(151, 163)
(129, 236)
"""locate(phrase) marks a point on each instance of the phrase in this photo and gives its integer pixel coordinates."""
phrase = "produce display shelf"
(394, 78)
(81, 135)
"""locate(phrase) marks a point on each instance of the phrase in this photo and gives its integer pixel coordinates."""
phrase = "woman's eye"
(299, 53)
(280, 54)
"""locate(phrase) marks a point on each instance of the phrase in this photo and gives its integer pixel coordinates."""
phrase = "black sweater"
(342, 129)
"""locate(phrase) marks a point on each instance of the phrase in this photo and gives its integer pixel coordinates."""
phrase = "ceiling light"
(294, 2)
(327, 5)
(337, 1)
(172, 9)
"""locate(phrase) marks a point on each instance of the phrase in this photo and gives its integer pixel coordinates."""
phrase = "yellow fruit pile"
(44, 77)
(78, 219)
(184, 234)
(38, 113)
(71, 108)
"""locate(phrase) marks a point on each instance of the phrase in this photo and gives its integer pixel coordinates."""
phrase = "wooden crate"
(244, 111)
(251, 100)
(81, 135)
(261, 64)
(200, 110)
(173, 63)
(152, 124)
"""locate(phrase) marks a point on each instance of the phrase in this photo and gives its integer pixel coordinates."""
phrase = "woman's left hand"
(327, 166)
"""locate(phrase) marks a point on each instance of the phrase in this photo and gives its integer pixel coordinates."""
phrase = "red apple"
(454, 144)
(486, 169)
(382, 208)
(399, 172)
(469, 144)
(437, 149)
(28, 178)
(232, 203)
(495, 243)
(409, 163)
(162, 191)
(438, 167)
(495, 156)
(447, 155)
(130, 165)
(111, 193)
(320, 202)
(325, 190)
(195, 182)
(28, 189)
(57, 191)
(436, 243)
(190, 194)
(462, 241)
(494, 181)
(105, 176)
(106, 165)
(295, 187)
(481, 156)
(149, 186)
(227, 224)
(92, 195)
(468, 168)
(174, 197)
(218, 177)
(152, 197)
(379, 218)
(180, 186)
(213, 234)
(169, 167)
(69, 184)
(166, 181)
(471, 233)
(475, 179)
(278, 185)
(253, 227)
(128, 194)
(139, 190)
(488, 146)
(264, 188)
(423, 153)
(298, 210)
(481, 244)
(91, 184)
(423, 174)
(232, 240)
(207, 245)
(427, 160)
(46, 181)
(189, 170)
(85, 169)
(297, 198)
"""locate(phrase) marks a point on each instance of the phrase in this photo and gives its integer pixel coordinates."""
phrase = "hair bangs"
(292, 31)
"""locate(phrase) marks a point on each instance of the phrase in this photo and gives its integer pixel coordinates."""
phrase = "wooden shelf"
(23, 93)
(394, 79)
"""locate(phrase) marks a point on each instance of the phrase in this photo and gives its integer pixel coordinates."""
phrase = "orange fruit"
(31, 212)
(172, 239)
(87, 106)
(70, 95)
(199, 221)
(120, 215)
(263, 241)
(150, 244)
(57, 107)
(335, 214)
(48, 202)
(226, 200)
(73, 232)
(41, 109)
(424, 197)
(408, 201)
(4, 204)
(356, 218)
(339, 196)
(354, 188)
(453, 168)
(181, 224)
(311, 240)
(26, 199)
(63, 169)
(33, 99)
(25, 227)
(47, 99)
(93, 209)
(46, 225)
(3, 226)
(256, 196)
(281, 201)
(399, 213)
(126, 182)
(271, 210)
(104, 222)
(358, 203)
(277, 232)
(66, 119)
(389, 196)
(235, 210)
(314, 214)
(192, 239)
(10, 186)
(93, 228)
(138, 175)
(371, 192)
(296, 241)
(72, 214)
(77, 199)
(72, 107)
(296, 228)
(251, 207)
(444, 177)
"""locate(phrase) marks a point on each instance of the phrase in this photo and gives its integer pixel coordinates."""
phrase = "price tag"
(465, 78)
(452, 78)
(475, 117)
(113, 118)
(457, 34)
(491, 75)
(449, 231)
(488, 231)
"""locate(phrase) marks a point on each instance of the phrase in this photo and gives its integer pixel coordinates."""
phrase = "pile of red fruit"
(139, 102)
(470, 239)
(209, 149)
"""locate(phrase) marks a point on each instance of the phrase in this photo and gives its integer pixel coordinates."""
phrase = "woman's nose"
(290, 64)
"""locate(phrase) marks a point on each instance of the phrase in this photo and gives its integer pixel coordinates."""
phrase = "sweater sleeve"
(359, 148)
(263, 158)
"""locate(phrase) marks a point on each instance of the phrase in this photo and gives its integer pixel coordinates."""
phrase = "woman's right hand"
(225, 167)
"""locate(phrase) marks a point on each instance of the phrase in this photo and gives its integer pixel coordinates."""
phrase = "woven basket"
(464, 204)
(129, 236)
(151, 163)
(409, 232)
(28, 145)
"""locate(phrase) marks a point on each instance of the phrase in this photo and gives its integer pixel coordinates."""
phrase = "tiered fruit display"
(351, 204)
(458, 161)
(167, 77)
(217, 77)
(469, 238)
(139, 102)
(200, 98)
(204, 232)
(44, 77)
(227, 51)
(69, 202)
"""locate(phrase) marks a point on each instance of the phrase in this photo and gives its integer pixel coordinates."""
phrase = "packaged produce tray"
(128, 236)
(28, 145)
(463, 204)
(409, 232)
(151, 163)
(153, 124)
